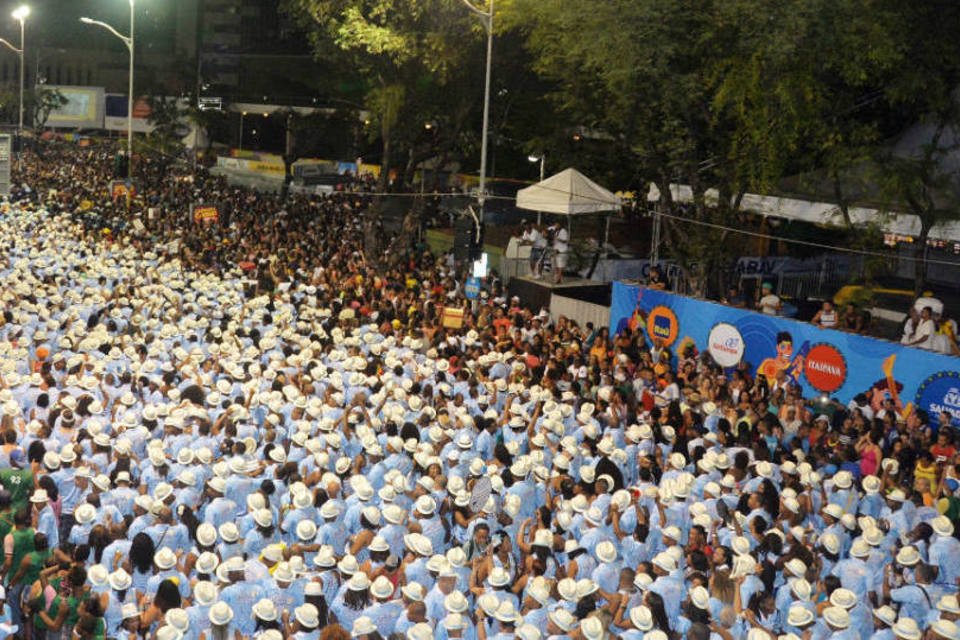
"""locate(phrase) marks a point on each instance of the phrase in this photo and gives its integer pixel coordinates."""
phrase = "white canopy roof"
(568, 193)
(903, 224)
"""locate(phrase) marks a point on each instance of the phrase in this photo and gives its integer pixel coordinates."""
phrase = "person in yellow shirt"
(925, 476)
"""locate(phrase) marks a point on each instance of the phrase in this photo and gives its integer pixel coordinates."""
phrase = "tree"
(922, 182)
(399, 47)
(409, 53)
(210, 124)
(38, 103)
(41, 102)
(167, 119)
(703, 94)
(922, 179)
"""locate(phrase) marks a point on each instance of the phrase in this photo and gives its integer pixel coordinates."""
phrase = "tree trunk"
(384, 181)
(920, 263)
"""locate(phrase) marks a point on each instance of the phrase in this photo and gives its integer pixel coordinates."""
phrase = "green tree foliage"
(169, 128)
(733, 95)
(405, 51)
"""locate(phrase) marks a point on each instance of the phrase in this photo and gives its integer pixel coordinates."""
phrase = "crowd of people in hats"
(194, 449)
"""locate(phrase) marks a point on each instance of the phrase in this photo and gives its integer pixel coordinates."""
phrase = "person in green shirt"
(17, 544)
(6, 514)
(32, 563)
(63, 612)
(90, 622)
(19, 483)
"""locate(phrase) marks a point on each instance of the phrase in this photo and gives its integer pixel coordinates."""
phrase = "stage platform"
(537, 293)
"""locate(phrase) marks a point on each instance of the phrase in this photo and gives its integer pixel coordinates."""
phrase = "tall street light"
(129, 41)
(487, 18)
(20, 14)
(542, 159)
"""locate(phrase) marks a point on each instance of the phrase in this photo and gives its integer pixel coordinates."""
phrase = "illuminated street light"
(129, 41)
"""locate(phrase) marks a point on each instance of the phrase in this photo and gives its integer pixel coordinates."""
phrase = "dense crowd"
(250, 429)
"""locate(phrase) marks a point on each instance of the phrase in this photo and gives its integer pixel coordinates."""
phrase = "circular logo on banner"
(941, 393)
(725, 344)
(662, 323)
(825, 368)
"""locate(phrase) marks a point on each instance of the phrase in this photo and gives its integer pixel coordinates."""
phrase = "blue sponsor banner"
(472, 288)
(822, 361)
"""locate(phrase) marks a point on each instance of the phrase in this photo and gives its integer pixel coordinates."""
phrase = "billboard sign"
(84, 108)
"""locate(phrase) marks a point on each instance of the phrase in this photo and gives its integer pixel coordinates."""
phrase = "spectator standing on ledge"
(770, 302)
(535, 240)
(561, 250)
(827, 317)
(924, 330)
(853, 319)
(734, 298)
(656, 280)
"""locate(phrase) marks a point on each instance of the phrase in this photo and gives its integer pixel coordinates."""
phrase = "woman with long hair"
(140, 561)
(98, 540)
(351, 605)
(654, 602)
(360, 542)
(166, 598)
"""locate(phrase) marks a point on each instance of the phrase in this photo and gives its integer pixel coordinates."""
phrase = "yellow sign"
(207, 213)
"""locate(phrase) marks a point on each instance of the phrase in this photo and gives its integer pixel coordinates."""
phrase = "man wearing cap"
(896, 516)
(45, 518)
(240, 594)
(666, 585)
(944, 552)
(220, 509)
(913, 600)
(70, 494)
(769, 302)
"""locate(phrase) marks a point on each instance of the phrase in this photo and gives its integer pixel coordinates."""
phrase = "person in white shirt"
(910, 326)
(532, 237)
(925, 330)
(770, 303)
(561, 249)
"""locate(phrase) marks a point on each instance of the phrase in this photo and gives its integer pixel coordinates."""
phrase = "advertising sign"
(725, 344)
(83, 109)
(472, 288)
(206, 213)
(821, 361)
(119, 189)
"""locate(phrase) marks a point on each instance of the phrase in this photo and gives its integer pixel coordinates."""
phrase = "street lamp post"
(542, 159)
(19, 14)
(243, 114)
(487, 17)
(129, 41)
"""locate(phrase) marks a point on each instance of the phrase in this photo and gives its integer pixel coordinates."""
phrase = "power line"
(806, 243)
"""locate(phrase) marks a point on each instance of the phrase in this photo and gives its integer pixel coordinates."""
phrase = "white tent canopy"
(568, 193)
(903, 224)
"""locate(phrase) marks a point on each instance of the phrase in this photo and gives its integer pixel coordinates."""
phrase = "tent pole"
(606, 236)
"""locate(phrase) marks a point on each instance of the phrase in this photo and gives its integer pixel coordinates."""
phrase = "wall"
(822, 361)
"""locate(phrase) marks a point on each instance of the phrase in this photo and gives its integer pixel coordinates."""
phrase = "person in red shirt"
(943, 450)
